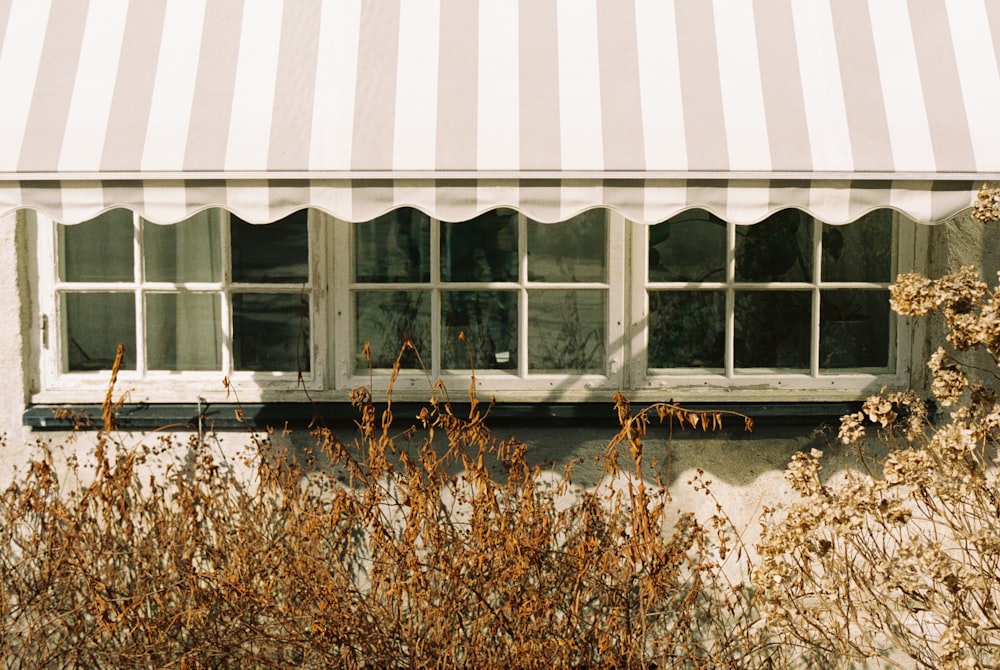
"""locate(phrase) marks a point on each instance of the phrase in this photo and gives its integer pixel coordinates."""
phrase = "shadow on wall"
(731, 456)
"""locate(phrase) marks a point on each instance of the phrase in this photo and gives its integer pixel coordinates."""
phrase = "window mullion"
(817, 270)
(522, 302)
(340, 277)
(637, 317)
(225, 295)
(730, 299)
(435, 276)
(139, 273)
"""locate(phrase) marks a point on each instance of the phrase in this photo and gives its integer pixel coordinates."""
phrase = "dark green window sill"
(227, 416)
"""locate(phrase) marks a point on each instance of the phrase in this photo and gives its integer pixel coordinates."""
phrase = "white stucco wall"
(15, 336)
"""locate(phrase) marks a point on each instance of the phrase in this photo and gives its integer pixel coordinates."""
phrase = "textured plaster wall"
(963, 241)
(15, 327)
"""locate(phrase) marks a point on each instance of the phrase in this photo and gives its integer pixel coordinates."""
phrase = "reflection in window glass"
(276, 252)
(567, 331)
(271, 332)
(489, 321)
(386, 319)
(859, 251)
(481, 250)
(691, 247)
(687, 329)
(854, 329)
(98, 250)
(395, 247)
(96, 323)
(569, 251)
(182, 252)
(183, 331)
(772, 329)
(779, 248)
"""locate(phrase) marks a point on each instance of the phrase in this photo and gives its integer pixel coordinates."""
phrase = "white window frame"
(334, 349)
(143, 385)
(521, 385)
(909, 245)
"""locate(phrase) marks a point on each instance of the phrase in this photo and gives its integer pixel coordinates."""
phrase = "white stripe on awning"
(456, 107)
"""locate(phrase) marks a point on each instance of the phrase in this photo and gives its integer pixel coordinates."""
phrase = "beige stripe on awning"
(648, 107)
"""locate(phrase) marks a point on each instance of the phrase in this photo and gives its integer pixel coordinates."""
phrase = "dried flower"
(949, 381)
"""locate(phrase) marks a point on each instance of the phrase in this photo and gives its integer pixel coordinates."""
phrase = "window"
(525, 305)
(789, 308)
(790, 303)
(211, 296)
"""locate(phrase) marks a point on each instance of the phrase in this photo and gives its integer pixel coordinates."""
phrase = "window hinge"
(45, 331)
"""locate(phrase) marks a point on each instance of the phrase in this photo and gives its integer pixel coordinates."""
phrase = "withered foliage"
(429, 545)
(899, 564)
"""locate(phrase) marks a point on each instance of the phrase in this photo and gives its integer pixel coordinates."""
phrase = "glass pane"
(779, 248)
(276, 252)
(573, 250)
(687, 329)
(567, 331)
(854, 329)
(183, 252)
(483, 249)
(489, 321)
(691, 247)
(772, 329)
(395, 247)
(859, 251)
(95, 325)
(271, 332)
(385, 319)
(183, 331)
(99, 249)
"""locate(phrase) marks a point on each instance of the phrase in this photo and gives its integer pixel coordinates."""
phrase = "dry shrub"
(904, 556)
(399, 549)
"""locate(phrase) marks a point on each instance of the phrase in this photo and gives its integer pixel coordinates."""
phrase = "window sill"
(227, 416)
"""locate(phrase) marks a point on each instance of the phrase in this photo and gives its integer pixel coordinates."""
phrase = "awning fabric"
(649, 107)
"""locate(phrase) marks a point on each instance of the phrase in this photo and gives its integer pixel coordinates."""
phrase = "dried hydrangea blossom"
(904, 552)
(884, 409)
(916, 412)
(913, 295)
(960, 292)
(949, 381)
(987, 206)
(802, 473)
(852, 428)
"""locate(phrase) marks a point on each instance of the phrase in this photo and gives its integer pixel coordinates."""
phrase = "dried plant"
(402, 548)
(901, 563)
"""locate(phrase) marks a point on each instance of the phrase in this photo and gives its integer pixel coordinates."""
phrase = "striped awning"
(649, 107)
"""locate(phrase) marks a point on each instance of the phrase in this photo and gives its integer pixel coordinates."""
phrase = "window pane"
(772, 329)
(859, 251)
(271, 332)
(385, 319)
(779, 248)
(183, 331)
(95, 324)
(183, 252)
(99, 249)
(854, 329)
(687, 329)
(276, 252)
(567, 331)
(570, 251)
(481, 250)
(690, 247)
(489, 321)
(395, 247)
